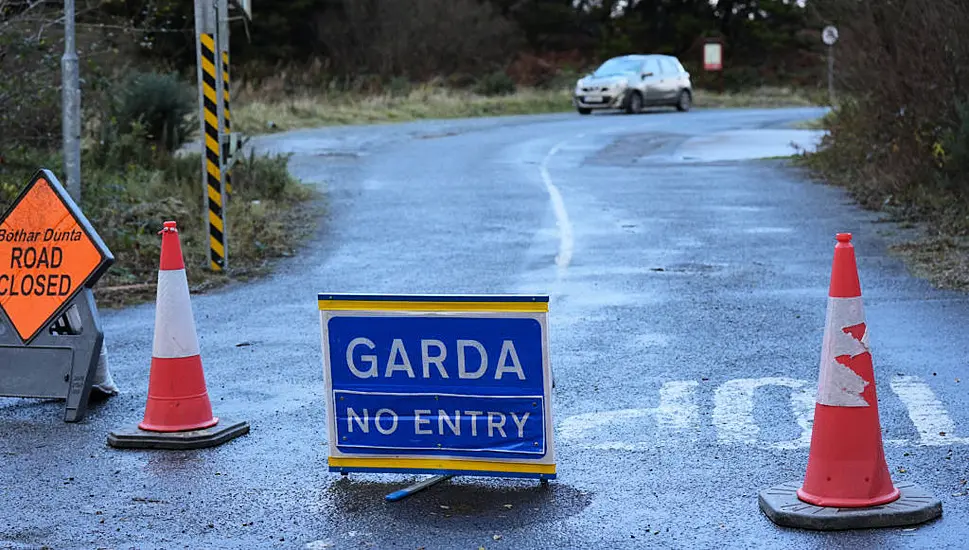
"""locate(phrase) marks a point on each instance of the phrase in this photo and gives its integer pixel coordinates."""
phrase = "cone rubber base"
(132, 437)
(781, 505)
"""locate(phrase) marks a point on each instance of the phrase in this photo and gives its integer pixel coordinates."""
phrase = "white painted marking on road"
(802, 405)
(677, 410)
(734, 420)
(926, 411)
(733, 407)
(566, 240)
(677, 407)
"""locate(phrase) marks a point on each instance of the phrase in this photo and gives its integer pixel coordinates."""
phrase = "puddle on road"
(337, 154)
(688, 267)
(734, 208)
(768, 230)
(489, 504)
(438, 135)
(167, 463)
(628, 149)
(652, 340)
(749, 145)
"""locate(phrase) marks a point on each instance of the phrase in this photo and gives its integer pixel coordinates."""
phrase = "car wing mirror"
(645, 75)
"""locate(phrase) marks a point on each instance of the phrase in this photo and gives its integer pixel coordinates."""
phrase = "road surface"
(687, 308)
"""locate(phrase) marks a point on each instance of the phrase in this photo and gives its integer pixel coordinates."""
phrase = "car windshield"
(618, 65)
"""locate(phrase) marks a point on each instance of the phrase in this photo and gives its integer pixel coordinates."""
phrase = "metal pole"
(831, 75)
(420, 486)
(222, 19)
(225, 116)
(71, 106)
(207, 14)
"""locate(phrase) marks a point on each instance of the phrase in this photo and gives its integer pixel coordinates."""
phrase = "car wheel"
(684, 101)
(634, 103)
(583, 110)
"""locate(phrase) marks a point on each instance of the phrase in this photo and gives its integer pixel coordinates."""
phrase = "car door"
(652, 82)
(670, 80)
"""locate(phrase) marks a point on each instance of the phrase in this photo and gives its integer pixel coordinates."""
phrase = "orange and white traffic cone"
(846, 467)
(178, 413)
(847, 485)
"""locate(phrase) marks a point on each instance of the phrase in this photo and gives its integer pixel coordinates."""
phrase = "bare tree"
(28, 103)
(903, 65)
(419, 38)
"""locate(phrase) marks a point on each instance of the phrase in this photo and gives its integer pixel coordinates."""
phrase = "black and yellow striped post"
(226, 116)
(213, 162)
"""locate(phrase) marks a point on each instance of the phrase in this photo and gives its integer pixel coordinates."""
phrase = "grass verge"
(268, 215)
(935, 244)
(257, 114)
(763, 98)
(309, 110)
(941, 259)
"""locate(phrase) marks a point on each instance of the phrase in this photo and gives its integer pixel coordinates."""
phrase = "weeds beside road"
(262, 113)
(267, 216)
(899, 141)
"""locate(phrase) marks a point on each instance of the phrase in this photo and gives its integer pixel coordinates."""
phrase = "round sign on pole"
(829, 35)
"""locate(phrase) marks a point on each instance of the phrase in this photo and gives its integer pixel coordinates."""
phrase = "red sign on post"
(713, 56)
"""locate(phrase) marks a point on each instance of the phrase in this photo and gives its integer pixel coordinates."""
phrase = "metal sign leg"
(417, 487)
(60, 363)
(87, 350)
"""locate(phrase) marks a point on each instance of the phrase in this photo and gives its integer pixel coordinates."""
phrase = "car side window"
(668, 67)
(650, 66)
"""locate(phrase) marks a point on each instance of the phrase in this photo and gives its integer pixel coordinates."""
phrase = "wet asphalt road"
(700, 279)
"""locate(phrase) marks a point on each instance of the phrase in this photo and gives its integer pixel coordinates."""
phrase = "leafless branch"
(131, 29)
(31, 5)
(104, 26)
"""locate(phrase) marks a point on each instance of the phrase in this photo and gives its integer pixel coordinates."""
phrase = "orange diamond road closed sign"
(48, 253)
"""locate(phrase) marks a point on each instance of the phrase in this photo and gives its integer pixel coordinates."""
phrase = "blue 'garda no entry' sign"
(438, 384)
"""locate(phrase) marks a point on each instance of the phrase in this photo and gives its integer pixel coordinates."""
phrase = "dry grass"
(767, 97)
(302, 111)
(260, 113)
(942, 260)
(938, 250)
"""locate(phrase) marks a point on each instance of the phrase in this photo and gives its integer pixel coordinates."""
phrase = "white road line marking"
(803, 401)
(677, 410)
(926, 411)
(677, 407)
(566, 240)
(733, 407)
(734, 420)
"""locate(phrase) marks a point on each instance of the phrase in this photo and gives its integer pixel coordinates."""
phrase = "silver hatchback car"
(631, 82)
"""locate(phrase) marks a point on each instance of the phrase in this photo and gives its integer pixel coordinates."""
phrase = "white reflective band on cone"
(838, 385)
(174, 324)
